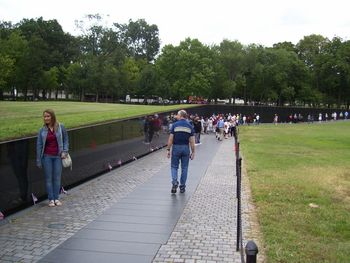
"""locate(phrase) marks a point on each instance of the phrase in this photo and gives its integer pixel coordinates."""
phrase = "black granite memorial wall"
(94, 150)
(99, 148)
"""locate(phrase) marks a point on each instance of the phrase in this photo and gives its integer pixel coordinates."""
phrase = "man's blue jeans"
(53, 169)
(180, 153)
(197, 137)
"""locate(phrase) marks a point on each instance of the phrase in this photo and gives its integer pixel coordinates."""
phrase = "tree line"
(106, 63)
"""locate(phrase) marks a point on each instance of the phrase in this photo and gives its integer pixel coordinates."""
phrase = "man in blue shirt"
(180, 140)
(221, 125)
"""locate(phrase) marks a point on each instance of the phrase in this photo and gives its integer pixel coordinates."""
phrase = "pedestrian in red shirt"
(52, 146)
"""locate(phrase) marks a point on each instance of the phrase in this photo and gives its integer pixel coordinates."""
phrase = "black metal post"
(237, 165)
(239, 220)
(240, 170)
(251, 251)
(237, 172)
(238, 223)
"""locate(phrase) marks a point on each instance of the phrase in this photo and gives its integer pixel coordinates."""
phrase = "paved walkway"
(206, 231)
(129, 215)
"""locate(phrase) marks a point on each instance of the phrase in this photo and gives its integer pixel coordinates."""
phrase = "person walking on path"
(197, 126)
(221, 126)
(181, 139)
(52, 146)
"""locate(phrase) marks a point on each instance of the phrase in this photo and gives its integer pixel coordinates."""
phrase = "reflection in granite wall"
(94, 150)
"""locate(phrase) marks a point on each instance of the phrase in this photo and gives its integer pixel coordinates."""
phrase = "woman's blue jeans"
(53, 169)
(180, 153)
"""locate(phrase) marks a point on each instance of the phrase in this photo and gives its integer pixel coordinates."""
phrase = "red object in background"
(93, 144)
(196, 100)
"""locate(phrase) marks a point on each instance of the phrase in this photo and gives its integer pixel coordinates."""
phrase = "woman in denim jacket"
(51, 147)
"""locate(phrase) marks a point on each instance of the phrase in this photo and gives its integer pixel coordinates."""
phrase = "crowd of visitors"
(295, 118)
(224, 125)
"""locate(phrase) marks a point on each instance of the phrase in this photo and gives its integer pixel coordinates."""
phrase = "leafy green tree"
(251, 85)
(49, 82)
(310, 47)
(289, 46)
(308, 95)
(6, 29)
(76, 80)
(111, 81)
(92, 32)
(231, 55)
(284, 73)
(47, 48)
(92, 58)
(344, 65)
(148, 81)
(165, 69)
(130, 77)
(94, 69)
(222, 87)
(309, 50)
(30, 67)
(112, 47)
(6, 70)
(103, 56)
(232, 58)
(188, 69)
(334, 72)
(13, 47)
(141, 39)
(55, 41)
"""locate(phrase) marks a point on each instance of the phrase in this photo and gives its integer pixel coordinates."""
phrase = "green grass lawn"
(291, 167)
(20, 119)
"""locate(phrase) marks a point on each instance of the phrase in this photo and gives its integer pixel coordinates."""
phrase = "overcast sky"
(249, 21)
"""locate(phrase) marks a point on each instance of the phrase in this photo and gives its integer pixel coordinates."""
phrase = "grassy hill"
(19, 119)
